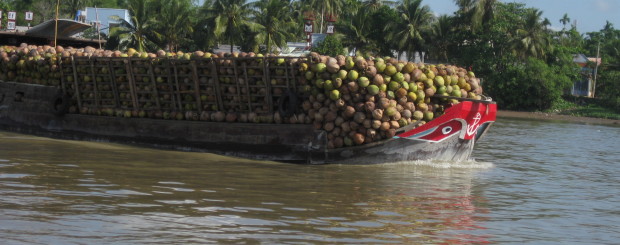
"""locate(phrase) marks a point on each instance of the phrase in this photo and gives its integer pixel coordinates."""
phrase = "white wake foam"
(467, 164)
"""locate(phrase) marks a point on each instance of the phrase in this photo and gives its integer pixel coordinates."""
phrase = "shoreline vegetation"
(552, 116)
(525, 64)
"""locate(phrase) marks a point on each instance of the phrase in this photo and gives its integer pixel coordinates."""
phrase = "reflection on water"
(520, 189)
(58, 191)
(553, 182)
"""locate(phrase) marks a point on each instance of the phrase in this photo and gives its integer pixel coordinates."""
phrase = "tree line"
(526, 64)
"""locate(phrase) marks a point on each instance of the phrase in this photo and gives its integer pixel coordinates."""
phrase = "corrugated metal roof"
(66, 28)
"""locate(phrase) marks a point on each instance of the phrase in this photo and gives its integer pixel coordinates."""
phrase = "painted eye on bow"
(446, 130)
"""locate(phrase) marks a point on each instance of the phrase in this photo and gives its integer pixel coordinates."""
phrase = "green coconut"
(380, 65)
(441, 90)
(342, 74)
(456, 92)
(417, 115)
(352, 75)
(328, 85)
(408, 68)
(439, 81)
(398, 77)
(413, 87)
(363, 82)
(390, 70)
(334, 94)
(404, 85)
(393, 86)
(428, 115)
(349, 63)
(430, 74)
(319, 67)
(372, 89)
(319, 83)
(412, 96)
(383, 87)
(390, 111)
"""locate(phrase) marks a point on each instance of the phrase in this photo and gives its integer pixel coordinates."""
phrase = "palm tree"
(72, 6)
(229, 18)
(275, 17)
(174, 22)
(565, 20)
(376, 4)
(477, 12)
(358, 33)
(324, 8)
(533, 38)
(441, 31)
(139, 33)
(563, 33)
(407, 31)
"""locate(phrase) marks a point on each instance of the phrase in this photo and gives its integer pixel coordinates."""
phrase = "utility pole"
(598, 49)
(98, 26)
(56, 26)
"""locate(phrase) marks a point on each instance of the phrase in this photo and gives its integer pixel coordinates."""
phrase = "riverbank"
(556, 117)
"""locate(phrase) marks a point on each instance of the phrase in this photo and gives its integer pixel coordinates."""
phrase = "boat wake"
(467, 164)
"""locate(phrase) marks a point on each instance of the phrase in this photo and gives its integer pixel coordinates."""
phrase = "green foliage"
(379, 17)
(358, 29)
(525, 65)
(322, 9)
(140, 34)
(608, 80)
(330, 46)
(407, 31)
(4, 6)
(174, 23)
(532, 85)
(278, 25)
(608, 88)
(532, 39)
(585, 107)
(230, 20)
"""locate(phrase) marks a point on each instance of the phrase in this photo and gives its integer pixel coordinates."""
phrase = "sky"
(591, 15)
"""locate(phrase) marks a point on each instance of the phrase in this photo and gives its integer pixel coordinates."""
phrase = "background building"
(90, 15)
(585, 85)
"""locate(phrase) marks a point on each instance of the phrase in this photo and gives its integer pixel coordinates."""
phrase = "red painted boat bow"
(464, 119)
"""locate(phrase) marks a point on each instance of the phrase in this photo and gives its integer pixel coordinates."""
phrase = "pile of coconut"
(356, 100)
(362, 100)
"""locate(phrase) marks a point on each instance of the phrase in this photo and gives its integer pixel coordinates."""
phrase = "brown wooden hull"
(31, 109)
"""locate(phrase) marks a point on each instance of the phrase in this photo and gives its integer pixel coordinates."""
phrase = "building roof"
(582, 60)
(66, 28)
(597, 61)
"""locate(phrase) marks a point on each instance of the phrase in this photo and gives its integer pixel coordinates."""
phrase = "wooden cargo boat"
(45, 110)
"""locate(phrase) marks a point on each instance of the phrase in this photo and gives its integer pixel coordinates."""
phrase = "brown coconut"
(385, 126)
(329, 126)
(378, 80)
(371, 71)
(369, 106)
(358, 138)
(376, 124)
(348, 112)
(377, 114)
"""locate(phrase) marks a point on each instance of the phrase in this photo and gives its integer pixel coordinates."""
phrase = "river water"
(532, 182)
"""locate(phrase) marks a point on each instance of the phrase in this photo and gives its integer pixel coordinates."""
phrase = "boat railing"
(204, 84)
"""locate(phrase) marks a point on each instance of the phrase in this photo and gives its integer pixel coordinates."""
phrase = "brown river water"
(530, 182)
